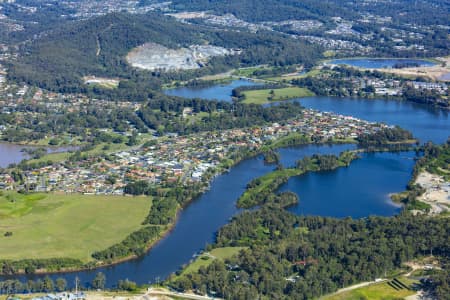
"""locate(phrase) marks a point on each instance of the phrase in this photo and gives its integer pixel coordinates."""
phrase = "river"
(357, 191)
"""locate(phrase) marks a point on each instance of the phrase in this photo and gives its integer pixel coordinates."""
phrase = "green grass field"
(207, 258)
(74, 226)
(380, 291)
(265, 96)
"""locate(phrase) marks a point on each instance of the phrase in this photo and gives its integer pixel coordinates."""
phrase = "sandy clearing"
(436, 72)
(437, 192)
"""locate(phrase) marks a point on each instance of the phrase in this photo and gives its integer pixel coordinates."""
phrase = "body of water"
(380, 63)
(11, 153)
(197, 224)
(425, 122)
(357, 191)
(217, 92)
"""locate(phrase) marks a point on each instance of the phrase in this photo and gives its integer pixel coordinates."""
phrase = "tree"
(29, 286)
(61, 284)
(47, 284)
(126, 285)
(99, 281)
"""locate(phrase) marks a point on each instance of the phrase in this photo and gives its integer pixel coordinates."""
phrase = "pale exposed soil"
(437, 72)
(151, 56)
(437, 192)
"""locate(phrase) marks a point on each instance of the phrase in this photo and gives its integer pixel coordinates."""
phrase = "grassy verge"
(268, 95)
(75, 226)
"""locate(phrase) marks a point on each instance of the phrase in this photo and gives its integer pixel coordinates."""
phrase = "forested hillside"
(98, 46)
(318, 255)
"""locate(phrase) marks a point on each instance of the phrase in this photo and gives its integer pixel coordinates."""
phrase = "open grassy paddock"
(207, 258)
(74, 226)
(379, 291)
(266, 96)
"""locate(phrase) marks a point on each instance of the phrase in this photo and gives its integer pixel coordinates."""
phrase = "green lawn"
(74, 226)
(266, 96)
(381, 291)
(206, 258)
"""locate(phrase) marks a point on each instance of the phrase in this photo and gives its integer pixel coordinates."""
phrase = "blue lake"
(357, 191)
(218, 92)
(379, 63)
(425, 122)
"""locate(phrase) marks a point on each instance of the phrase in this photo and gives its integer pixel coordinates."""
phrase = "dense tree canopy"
(319, 254)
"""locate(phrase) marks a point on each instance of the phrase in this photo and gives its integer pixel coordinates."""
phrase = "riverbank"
(45, 233)
(232, 160)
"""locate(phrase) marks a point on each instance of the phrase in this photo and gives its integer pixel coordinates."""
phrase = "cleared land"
(437, 191)
(268, 95)
(51, 225)
(438, 72)
(108, 83)
(207, 258)
(380, 291)
(151, 56)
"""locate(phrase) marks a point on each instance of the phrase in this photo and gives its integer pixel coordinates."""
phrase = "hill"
(98, 46)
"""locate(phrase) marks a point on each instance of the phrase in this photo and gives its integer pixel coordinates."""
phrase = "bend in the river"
(359, 190)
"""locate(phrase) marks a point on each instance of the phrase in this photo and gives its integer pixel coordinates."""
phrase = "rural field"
(73, 226)
(380, 291)
(268, 95)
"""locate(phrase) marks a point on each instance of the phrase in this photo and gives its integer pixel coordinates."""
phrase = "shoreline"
(164, 233)
(99, 265)
(219, 170)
